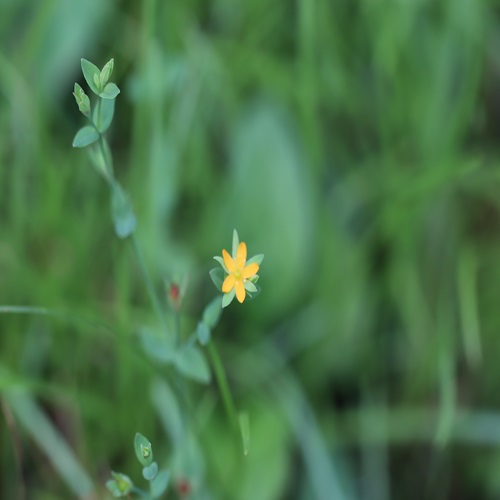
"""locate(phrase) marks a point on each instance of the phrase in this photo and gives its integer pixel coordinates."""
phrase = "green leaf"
(244, 422)
(90, 72)
(51, 442)
(203, 332)
(156, 347)
(103, 114)
(212, 313)
(143, 450)
(220, 260)
(106, 72)
(191, 362)
(227, 298)
(252, 295)
(217, 275)
(249, 286)
(256, 258)
(101, 159)
(160, 483)
(236, 242)
(122, 213)
(85, 136)
(110, 91)
(149, 473)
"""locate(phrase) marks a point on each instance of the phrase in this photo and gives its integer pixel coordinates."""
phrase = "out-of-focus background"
(355, 144)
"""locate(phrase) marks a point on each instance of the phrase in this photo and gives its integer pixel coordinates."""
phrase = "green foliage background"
(355, 145)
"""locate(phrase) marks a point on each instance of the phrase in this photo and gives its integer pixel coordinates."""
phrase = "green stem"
(147, 280)
(220, 374)
(137, 250)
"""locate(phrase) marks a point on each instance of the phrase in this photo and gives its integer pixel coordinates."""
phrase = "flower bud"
(106, 72)
(82, 100)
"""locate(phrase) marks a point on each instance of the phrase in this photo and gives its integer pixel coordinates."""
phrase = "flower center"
(237, 274)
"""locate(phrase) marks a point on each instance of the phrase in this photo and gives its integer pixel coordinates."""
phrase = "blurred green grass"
(354, 144)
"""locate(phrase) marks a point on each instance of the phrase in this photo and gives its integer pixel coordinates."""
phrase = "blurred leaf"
(85, 136)
(227, 298)
(160, 484)
(203, 332)
(244, 422)
(82, 100)
(256, 258)
(143, 450)
(149, 473)
(167, 408)
(90, 73)
(48, 438)
(267, 152)
(192, 363)
(220, 260)
(101, 158)
(122, 211)
(157, 347)
(110, 91)
(236, 243)
(106, 72)
(252, 295)
(249, 286)
(103, 114)
(212, 313)
(217, 275)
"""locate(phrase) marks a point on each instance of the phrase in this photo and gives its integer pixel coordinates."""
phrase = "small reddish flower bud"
(183, 487)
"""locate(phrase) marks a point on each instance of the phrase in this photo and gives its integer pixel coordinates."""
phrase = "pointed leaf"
(256, 258)
(217, 275)
(249, 286)
(122, 212)
(143, 450)
(252, 295)
(220, 260)
(212, 313)
(85, 136)
(192, 363)
(106, 72)
(244, 422)
(227, 298)
(236, 243)
(90, 72)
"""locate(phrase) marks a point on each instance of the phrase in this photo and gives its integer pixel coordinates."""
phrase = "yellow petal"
(228, 284)
(228, 260)
(241, 255)
(250, 270)
(240, 291)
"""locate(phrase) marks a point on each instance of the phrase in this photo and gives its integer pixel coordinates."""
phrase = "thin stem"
(220, 374)
(147, 280)
(139, 491)
(137, 250)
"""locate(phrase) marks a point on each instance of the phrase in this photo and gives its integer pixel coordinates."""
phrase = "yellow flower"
(238, 273)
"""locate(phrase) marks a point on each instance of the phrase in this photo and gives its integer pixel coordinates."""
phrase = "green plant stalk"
(147, 280)
(220, 375)
(137, 250)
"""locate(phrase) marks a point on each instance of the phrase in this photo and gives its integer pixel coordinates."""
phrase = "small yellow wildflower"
(238, 273)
